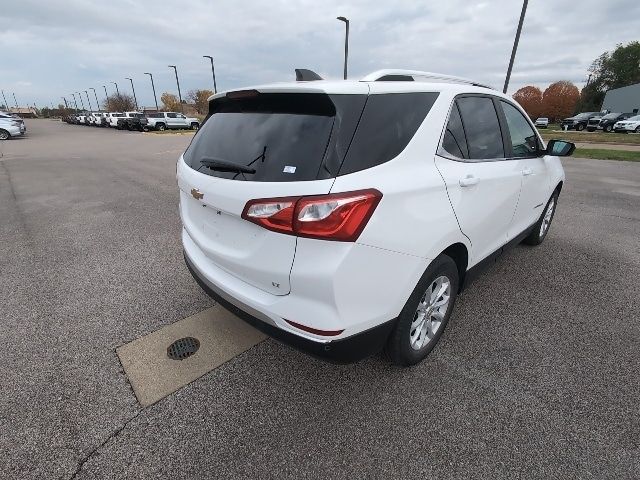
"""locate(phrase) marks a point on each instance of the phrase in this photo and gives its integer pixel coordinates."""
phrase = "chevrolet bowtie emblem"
(197, 194)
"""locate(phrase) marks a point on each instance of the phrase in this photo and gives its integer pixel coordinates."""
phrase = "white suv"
(344, 217)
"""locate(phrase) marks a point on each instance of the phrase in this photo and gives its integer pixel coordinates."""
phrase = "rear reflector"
(337, 216)
(315, 331)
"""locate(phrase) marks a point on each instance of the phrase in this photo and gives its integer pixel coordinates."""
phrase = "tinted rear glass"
(388, 123)
(295, 129)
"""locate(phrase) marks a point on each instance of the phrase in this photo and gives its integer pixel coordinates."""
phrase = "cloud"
(53, 48)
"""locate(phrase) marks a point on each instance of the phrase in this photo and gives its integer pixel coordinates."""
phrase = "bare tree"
(119, 102)
(200, 99)
(170, 102)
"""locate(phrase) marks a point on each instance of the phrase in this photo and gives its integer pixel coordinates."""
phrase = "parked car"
(11, 127)
(82, 118)
(578, 122)
(343, 251)
(542, 122)
(606, 122)
(112, 118)
(165, 120)
(94, 119)
(130, 121)
(631, 124)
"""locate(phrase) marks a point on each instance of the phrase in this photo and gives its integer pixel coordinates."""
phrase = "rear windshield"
(305, 136)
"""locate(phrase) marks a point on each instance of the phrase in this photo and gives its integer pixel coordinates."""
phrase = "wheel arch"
(459, 253)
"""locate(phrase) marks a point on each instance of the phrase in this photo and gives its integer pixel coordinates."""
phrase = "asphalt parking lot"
(535, 377)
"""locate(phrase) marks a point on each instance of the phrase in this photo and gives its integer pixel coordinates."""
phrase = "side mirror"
(560, 148)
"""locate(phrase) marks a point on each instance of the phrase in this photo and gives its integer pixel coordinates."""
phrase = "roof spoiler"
(305, 75)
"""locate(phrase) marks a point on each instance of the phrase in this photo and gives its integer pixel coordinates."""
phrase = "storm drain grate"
(183, 348)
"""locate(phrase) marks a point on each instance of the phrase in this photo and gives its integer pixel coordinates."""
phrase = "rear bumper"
(345, 350)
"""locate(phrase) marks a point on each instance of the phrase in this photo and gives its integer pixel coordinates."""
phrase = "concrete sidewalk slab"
(153, 375)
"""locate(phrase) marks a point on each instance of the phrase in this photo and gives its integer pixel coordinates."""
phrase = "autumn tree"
(559, 100)
(170, 102)
(530, 98)
(119, 102)
(200, 99)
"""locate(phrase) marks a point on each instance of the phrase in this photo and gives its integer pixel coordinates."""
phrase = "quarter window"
(524, 141)
(481, 125)
(454, 142)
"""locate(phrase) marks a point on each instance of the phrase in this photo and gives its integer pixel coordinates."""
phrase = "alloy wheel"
(546, 220)
(430, 313)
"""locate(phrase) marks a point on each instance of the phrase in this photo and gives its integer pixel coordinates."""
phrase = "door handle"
(526, 172)
(468, 181)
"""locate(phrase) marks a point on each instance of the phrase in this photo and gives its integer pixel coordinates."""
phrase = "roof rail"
(419, 76)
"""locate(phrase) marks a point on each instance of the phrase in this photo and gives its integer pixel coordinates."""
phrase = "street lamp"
(74, 101)
(346, 43)
(14, 99)
(213, 72)
(66, 105)
(81, 101)
(515, 46)
(117, 92)
(178, 82)
(95, 95)
(106, 97)
(154, 90)
(88, 101)
(5, 100)
(134, 91)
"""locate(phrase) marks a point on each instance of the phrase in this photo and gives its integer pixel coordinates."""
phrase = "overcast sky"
(51, 48)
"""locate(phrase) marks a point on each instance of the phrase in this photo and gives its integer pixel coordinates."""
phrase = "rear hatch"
(294, 142)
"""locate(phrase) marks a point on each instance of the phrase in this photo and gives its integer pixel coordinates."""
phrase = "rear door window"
(482, 128)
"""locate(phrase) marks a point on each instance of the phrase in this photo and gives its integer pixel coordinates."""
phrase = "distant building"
(25, 112)
(623, 100)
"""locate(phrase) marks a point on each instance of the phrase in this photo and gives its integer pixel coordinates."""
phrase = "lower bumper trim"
(347, 350)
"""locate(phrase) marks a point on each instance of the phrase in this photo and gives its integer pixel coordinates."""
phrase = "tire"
(160, 127)
(129, 126)
(607, 128)
(637, 130)
(414, 336)
(195, 126)
(591, 129)
(538, 234)
(4, 135)
(579, 127)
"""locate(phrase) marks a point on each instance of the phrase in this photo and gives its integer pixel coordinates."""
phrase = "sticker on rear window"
(289, 169)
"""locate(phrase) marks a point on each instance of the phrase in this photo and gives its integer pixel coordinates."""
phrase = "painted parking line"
(153, 375)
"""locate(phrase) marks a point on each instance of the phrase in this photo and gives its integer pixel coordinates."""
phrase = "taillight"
(336, 216)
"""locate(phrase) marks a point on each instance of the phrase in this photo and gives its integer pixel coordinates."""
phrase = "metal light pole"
(81, 101)
(153, 87)
(515, 46)
(106, 97)
(346, 43)
(134, 91)
(66, 105)
(213, 72)
(95, 95)
(74, 101)
(88, 101)
(14, 99)
(178, 82)
(117, 92)
(5, 100)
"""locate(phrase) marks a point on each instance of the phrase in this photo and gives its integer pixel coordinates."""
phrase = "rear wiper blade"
(225, 166)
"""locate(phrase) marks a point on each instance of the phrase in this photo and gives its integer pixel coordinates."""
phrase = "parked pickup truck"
(164, 120)
(94, 119)
(130, 121)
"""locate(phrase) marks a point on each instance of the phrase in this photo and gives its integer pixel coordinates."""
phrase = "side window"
(172, 115)
(484, 137)
(454, 142)
(524, 140)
